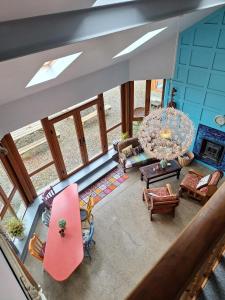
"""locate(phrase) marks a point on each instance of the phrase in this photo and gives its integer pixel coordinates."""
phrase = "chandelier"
(166, 133)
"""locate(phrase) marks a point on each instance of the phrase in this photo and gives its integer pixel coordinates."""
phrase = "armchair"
(191, 180)
(161, 200)
(135, 160)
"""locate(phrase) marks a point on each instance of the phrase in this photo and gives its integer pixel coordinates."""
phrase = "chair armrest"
(122, 156)
(169, 188)
(166, 203)
(195, 172)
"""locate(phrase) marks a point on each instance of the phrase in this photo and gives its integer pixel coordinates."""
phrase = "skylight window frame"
(139, 42)
(52, 69)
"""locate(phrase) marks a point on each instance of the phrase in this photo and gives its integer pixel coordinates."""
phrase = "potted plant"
(62, 226)
(15, 228)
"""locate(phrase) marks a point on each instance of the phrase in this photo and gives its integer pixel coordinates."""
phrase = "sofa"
(138, 160)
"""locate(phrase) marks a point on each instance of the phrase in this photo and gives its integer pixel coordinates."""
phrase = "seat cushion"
(190, 181)
(135, 159)
(162, 191)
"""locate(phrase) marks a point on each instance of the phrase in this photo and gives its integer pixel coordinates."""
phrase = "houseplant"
(15, 228)
(62, 226)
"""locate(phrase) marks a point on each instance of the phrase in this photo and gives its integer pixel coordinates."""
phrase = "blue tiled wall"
(200, 71)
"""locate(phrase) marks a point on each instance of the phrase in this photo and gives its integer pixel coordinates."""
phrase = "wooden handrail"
(176, 269)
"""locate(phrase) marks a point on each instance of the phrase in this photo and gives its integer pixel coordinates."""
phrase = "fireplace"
(211, 150)
(209, 146)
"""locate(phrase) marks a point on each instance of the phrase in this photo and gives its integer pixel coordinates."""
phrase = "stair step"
(96, 176)
(215, 287)
(87, 171)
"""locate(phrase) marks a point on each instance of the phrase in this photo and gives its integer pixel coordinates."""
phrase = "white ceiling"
(97, 54)
(18, 9)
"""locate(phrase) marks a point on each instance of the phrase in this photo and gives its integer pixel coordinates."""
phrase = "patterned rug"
(103, 187)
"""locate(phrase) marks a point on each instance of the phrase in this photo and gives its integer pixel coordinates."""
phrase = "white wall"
(9, 286)
(155, 63)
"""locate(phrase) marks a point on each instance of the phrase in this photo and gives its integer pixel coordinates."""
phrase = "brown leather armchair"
(191, 180)
(133, 161)
(161, 200)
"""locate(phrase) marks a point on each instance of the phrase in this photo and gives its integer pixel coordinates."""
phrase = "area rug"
(103, 187)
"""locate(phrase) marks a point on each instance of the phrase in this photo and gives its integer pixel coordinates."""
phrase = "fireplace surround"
(209, 146)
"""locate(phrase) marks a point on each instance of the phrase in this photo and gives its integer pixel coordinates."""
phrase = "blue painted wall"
(200, 71)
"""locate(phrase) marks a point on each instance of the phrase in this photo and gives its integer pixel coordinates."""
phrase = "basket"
(184, 161)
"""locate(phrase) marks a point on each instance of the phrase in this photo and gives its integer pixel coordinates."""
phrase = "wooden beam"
(147, 97)
(163, 92)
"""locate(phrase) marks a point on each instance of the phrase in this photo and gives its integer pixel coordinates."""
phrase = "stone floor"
(127, 244)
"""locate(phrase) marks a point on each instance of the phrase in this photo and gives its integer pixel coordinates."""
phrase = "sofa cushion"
(127, 151)
(135, 159)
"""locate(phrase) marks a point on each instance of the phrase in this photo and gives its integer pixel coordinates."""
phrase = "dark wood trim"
(80, 135)
(102, 123)
(41, 168)
(130, 107)
(124, 115)
(16, 166)
(148, 97)
(163, 92)
(114, 127)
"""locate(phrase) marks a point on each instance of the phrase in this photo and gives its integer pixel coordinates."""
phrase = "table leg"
(147, 185)
(178, 174)
(142, 177)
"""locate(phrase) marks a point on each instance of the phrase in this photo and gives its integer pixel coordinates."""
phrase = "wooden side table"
(152, 173)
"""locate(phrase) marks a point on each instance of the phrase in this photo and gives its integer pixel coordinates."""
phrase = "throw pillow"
(203, 182)
(137, 150)
(127, 151)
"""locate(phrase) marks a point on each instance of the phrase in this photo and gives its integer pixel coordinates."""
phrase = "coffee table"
(150, 176)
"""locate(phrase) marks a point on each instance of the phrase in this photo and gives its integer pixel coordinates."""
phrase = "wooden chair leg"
(180, 192)
(143, 197)
(151, 219)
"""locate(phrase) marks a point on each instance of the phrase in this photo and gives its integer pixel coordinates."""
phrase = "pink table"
(64, 254)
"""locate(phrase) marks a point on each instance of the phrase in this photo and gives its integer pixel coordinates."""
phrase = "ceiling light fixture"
(140, 41)
(52, 68)
(166, 133)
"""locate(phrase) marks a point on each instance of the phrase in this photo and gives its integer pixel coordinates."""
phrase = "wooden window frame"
(48, 125)
(8, 198)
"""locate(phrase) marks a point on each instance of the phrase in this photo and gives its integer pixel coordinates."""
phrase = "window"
(112, 106)
(157, 92)
(11, 201)
(139, 42)
(51, 69)
(34, 151)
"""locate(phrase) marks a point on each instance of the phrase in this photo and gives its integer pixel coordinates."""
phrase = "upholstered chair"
(190, 183)
(161, 200)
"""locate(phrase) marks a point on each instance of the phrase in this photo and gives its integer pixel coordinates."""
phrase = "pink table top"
(64, 254)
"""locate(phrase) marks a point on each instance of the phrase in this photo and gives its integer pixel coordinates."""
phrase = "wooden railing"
(183, 270)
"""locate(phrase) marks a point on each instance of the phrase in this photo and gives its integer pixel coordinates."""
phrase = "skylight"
(51, 69)
(140, 41)
(107, 2)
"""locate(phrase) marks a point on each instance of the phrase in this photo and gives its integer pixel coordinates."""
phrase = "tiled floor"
(127, 244)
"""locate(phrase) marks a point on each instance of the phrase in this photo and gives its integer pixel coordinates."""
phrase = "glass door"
(91, 129)
(69, 141)
(79, 136)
